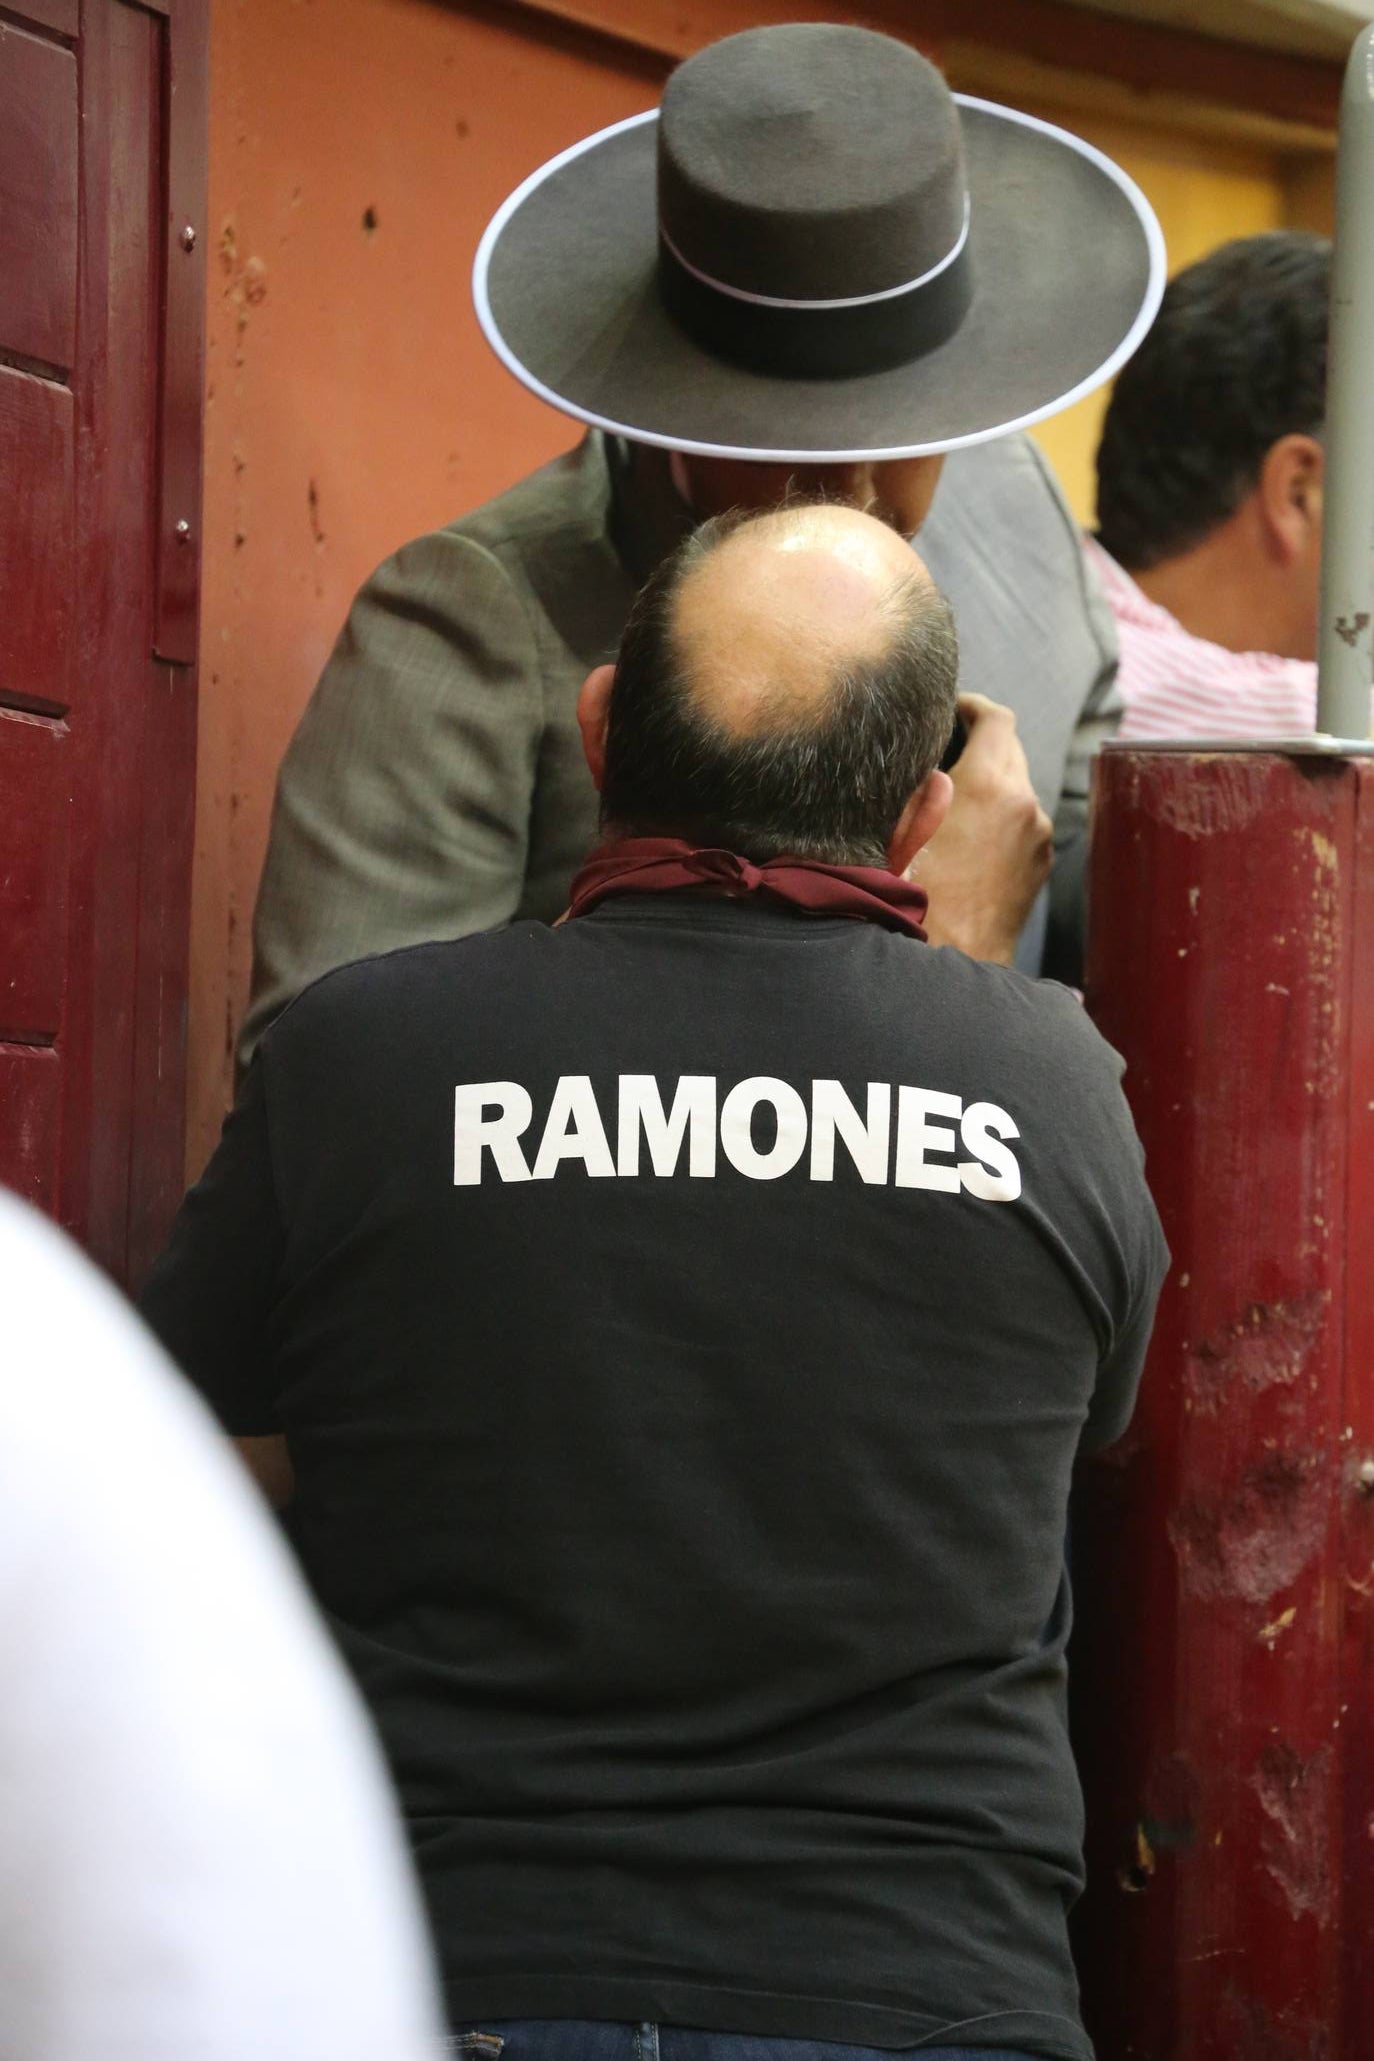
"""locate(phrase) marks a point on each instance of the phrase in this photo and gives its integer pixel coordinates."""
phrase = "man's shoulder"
(565, 502)
(392, 988)
(986, 986)
(558, 515)
(1040, 1024)
(993, 490)
(539, 555)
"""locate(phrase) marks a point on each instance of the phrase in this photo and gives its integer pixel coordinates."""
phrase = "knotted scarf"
(654, 865)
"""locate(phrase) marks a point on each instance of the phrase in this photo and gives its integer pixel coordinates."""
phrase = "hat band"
(822, 339)
(854, 300)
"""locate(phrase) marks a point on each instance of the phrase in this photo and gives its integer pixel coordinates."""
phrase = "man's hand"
(991, 856)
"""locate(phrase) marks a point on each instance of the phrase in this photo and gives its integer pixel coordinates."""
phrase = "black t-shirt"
(684, 1322)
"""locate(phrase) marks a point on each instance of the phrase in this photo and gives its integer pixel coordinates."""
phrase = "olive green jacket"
(436, 784)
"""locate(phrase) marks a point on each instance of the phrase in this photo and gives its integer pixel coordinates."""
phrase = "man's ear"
(1290, 497)
(593, 715)
(925, 811)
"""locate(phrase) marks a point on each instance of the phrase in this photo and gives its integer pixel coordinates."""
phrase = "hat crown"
(810, 163)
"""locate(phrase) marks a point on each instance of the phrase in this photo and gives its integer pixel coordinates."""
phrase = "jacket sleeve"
(1098, 716)
(403, 803)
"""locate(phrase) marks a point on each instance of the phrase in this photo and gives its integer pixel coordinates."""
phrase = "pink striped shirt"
(1176, 685)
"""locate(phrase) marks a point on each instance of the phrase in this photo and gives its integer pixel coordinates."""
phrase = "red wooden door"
(102, 154)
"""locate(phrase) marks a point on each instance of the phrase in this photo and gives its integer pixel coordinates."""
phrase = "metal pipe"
(1345, 655)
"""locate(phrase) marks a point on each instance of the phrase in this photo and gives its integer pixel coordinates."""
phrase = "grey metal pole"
(1345, 652)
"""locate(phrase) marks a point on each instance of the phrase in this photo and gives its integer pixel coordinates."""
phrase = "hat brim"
(1068, 265)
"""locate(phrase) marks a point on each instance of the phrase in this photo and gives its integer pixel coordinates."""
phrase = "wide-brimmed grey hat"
(814, 251)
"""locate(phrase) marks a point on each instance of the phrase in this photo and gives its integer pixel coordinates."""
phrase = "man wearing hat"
(813, 269)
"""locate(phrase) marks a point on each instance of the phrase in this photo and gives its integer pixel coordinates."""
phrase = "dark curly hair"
(1235, 359)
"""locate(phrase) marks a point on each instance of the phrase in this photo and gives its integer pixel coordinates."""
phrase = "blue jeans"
(577, 2039)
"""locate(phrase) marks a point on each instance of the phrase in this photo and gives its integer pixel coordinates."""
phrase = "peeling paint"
(1135, 1877)
(1246, 2029)
(1294, 1796)
(1255, 1543)
(1231, 797)
(1326, 947)
(1268, 1347)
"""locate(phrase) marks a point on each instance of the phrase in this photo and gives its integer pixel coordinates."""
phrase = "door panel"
(38, 197)
(62, 17)
(35, 786)
(31, 1098)
(37, 557)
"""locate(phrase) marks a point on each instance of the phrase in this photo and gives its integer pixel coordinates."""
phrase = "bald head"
(785, 682)
(769, 618)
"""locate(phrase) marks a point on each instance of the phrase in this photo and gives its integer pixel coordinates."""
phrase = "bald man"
(675, 1330)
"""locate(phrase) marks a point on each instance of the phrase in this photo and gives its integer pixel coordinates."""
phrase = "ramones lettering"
(920, 1149)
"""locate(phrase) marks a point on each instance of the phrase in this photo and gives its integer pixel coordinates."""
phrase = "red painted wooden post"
(1224, 1665)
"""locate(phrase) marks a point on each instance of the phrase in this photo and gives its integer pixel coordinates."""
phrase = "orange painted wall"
(357, 149)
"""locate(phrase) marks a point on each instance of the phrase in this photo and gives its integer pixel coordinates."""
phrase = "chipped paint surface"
(1321, 999)
(1247, 2031)
(1269, 1346)
(1230, 798)
(1294, 1795)
(1244, 1651)
(1134, 1879)
(1253, 1543)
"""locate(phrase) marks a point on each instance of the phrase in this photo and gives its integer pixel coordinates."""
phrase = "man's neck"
(648, 516)
(1226, 593)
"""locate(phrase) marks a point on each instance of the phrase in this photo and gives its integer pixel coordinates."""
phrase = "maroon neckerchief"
(654, 865)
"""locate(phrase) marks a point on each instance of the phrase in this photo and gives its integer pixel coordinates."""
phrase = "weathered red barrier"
(1224, 1553)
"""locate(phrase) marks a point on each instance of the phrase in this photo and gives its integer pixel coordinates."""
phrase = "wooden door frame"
(157, 1153)
(138, 382)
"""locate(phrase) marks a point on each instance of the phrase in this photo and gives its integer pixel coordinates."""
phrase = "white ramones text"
(907, 1137)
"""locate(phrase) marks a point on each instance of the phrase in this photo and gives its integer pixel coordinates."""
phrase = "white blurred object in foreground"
(198, 1855)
